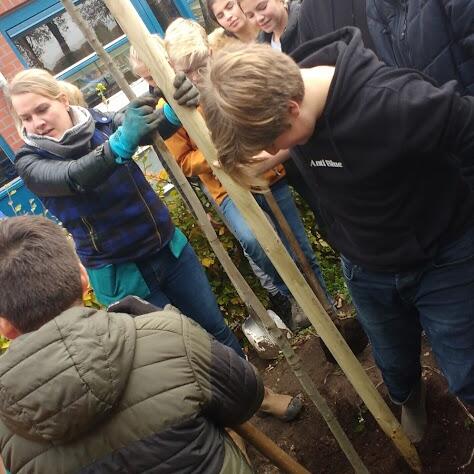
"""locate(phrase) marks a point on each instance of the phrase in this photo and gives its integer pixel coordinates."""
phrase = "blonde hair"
(244, 96)
(74, 94)
(135, 62)
(187, 46)
(36, 81)
(220, 38)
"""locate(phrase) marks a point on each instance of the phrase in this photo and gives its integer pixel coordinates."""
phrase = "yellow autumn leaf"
(207, 262)
(163, 175)
(4, 343)
(221, 230)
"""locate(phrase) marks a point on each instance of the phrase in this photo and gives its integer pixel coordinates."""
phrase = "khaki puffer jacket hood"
(95, 378)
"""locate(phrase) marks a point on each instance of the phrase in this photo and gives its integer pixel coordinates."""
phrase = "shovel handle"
(269, 449)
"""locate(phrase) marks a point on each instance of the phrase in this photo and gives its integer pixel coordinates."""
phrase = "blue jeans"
(182, 282)
(240, 229)
(438, 298)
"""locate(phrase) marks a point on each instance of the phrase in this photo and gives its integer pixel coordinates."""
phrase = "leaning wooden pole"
(265, 445)
(155, 59)
(279, 458)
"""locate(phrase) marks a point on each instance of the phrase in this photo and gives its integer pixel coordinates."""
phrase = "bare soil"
(447, 446)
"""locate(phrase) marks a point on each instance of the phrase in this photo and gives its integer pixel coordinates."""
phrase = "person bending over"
(382, 148)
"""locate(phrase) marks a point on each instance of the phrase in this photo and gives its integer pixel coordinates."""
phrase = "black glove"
(132, 305)
(186, 93)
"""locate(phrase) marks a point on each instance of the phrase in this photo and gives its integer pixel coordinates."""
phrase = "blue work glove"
(140, 120)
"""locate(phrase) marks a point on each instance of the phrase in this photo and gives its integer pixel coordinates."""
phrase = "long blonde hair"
(74, 94)
(36, 81)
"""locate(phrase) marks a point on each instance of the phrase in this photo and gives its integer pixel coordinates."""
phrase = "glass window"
(58, 43)
(7, 170)
(165, 11)
(89, 77)
(199, 10)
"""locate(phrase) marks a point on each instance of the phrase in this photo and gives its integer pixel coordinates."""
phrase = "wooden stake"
(269, 449)
(155, 58)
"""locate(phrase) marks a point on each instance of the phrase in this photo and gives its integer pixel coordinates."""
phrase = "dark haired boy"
(83, 390)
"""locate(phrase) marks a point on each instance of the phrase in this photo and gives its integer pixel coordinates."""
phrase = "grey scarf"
(75, 141)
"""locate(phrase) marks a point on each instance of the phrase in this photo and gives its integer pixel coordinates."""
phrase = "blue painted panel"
(16, 199)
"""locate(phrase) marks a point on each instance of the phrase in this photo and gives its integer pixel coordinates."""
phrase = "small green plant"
(359, 422)
(101, 89)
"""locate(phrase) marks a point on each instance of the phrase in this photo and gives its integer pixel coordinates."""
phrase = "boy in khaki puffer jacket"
(88, 391)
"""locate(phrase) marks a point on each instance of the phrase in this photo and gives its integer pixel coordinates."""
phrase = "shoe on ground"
(284, 407)
(299, 320)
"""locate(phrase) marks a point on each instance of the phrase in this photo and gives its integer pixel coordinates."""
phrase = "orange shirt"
(193, 163)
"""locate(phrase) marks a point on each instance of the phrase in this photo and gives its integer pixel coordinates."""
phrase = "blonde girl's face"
(266, 14)
(41, 115)
(229, 15)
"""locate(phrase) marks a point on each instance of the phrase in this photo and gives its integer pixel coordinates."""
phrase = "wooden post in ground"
(250, 433)
(155, 59)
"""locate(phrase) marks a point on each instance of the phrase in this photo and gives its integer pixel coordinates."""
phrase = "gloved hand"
(139, 120)
(132, 305)
(186, 93)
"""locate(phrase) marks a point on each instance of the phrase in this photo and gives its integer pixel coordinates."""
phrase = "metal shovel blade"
(260, 339)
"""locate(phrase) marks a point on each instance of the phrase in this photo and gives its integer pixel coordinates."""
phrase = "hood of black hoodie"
(345, 50)
(58, 382)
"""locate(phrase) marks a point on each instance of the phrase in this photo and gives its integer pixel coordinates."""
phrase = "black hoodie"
(383, 157)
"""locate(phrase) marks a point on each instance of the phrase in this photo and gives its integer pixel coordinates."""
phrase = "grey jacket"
(97, 392)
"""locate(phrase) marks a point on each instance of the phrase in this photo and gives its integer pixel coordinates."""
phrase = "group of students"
(382, 156)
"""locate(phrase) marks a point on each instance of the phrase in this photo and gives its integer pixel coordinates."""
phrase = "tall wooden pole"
(161, 71)
(242, 287)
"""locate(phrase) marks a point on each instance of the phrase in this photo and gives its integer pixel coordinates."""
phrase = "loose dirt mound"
(447, 445)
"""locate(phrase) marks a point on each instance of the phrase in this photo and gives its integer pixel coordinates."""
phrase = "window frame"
(38, 12)
(5, 148)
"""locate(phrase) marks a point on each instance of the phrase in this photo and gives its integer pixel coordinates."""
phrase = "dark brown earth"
(447, 446)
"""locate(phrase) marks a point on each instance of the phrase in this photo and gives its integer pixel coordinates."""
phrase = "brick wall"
(9, 66)
(8, 5)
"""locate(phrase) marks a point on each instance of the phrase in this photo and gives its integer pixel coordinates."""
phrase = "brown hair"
(244, 96)
(209, 4)
(39, 271)
(37, 81)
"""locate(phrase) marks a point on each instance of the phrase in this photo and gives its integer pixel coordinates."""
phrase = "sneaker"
(299, 320)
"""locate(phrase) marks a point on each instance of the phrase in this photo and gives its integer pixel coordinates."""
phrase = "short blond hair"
(74, 94)
(244, 96)
(135, 62)
(186, 45)
(36, 81)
